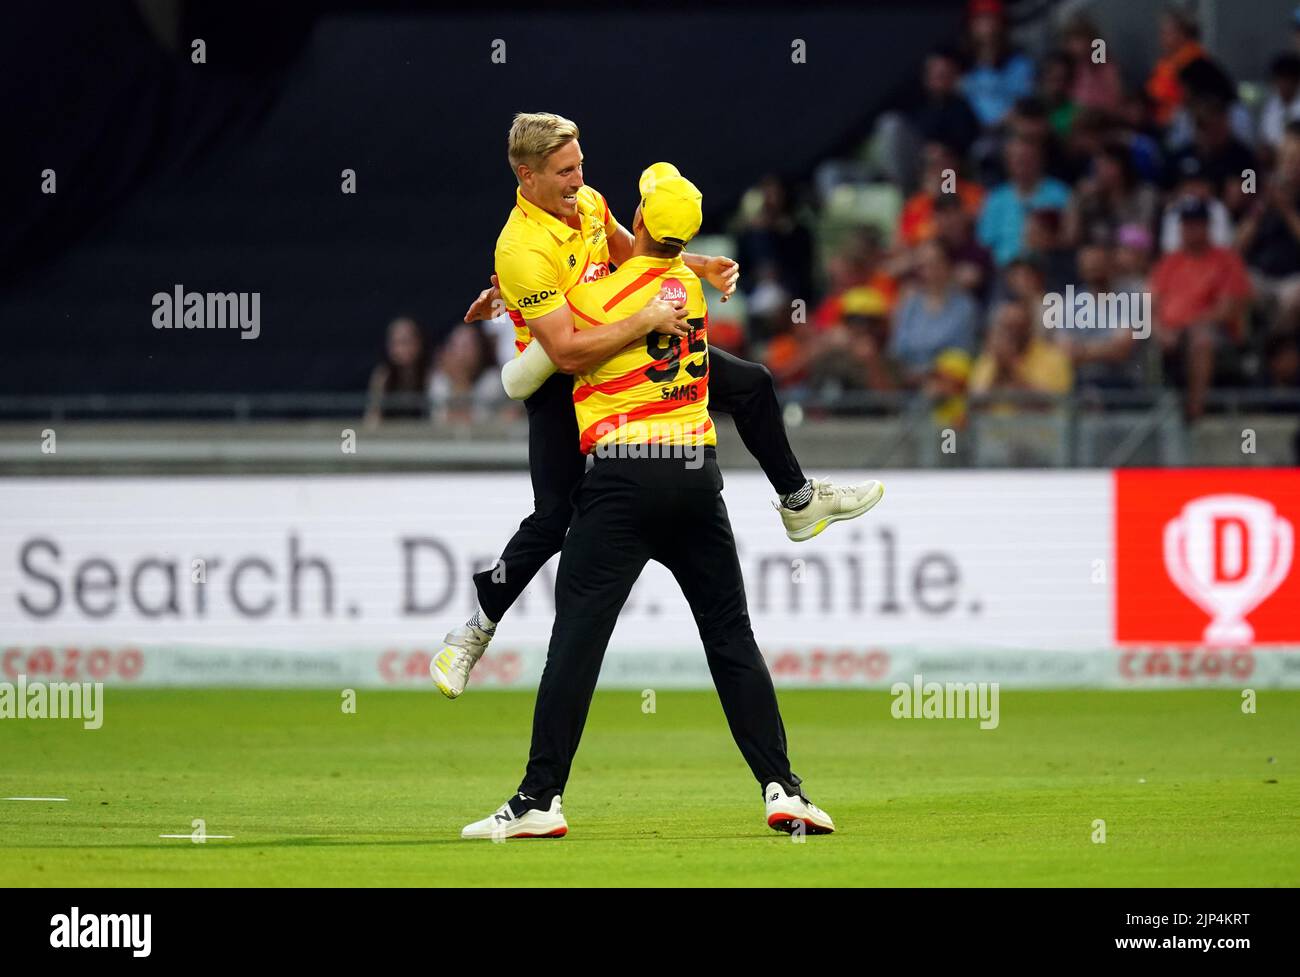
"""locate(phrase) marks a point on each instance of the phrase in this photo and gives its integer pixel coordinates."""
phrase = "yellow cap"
(954, 363)
(864, 301)
(653, 173)
(670, 204)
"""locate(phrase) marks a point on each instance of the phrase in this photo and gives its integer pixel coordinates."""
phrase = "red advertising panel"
(1207, 556)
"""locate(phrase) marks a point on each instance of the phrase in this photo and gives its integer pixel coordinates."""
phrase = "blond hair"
(534, 136)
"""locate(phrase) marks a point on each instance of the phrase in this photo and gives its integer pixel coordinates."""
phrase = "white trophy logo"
(1227, 553)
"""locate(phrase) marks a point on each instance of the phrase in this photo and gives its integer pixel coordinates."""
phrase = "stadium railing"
(310, 432)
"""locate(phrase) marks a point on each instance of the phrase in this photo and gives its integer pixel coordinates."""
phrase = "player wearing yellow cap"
(561, 233)
(653, 493)
(615, 403)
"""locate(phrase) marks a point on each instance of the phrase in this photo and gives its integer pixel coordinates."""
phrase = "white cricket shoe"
(461, 650)
(533, 823)
(830, 503)
(785, 812)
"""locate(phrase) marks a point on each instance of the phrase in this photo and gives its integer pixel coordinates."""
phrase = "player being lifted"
(653, 493)
(560, 233)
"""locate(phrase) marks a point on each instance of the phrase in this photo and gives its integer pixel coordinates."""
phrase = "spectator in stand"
(1193, 181)
(1097, 83)
(399, 382)
(1179, 46)
(1136, 130)
(945, 388)
(787, 353)
(1024, 281)
(945, 116)
(852, 354)
(1043, 239)
(937, 315)
(465, 386)
(1199, 294)
(1109, 197)
(1054, 90)
(1281, 363)
(857, 261)
(1204, 80)
(1002, 219)
(1102, 352)
(1224, 158)
(1092, 130)
(1031, 120)
(973, 267)
(767, 303)
(1017, 360)
(1132, 258)
(939, 178)
(774, 236)
(1283, 105)
(998, 74)
(1269, 238)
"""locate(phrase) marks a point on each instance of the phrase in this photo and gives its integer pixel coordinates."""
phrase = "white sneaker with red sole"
(529, 823)
(786, 812)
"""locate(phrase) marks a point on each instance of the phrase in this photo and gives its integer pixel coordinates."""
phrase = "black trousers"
(629, 511)
(736, 387)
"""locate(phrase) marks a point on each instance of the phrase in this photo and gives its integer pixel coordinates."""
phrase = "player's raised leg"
(555, 463)
(807, 505)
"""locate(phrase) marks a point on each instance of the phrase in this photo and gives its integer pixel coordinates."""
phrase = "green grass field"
(313, 796)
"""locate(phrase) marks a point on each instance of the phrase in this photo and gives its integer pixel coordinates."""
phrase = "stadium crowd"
(1019, 178)
(1164, 219)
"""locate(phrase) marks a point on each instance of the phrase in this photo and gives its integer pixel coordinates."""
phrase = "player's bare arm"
(718, 270)
(721, 272)
(574, 351)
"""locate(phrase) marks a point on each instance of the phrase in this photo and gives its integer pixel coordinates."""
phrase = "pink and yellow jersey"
(540, 257)
(655, 390)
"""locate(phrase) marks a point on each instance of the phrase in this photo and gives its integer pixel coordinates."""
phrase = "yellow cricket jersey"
(540, 257)
(655, 390)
